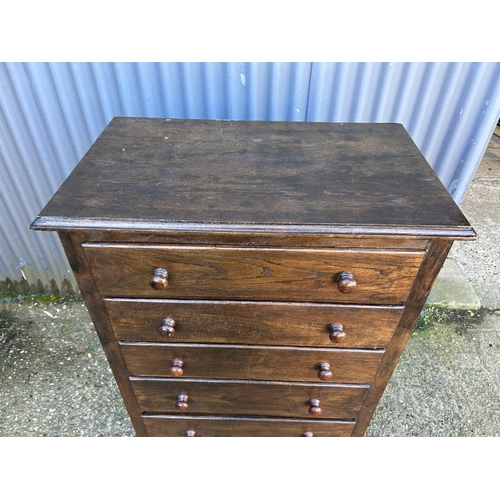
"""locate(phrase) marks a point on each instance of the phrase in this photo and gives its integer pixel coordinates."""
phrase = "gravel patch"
(55, 377)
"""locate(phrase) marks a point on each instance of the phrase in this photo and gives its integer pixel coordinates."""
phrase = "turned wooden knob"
(159, 281)
(324, 372)
(314, 409)
(190, 433)
(182, 402)
(308, 434)
(337, 333)
(346, 282)
(167, 327)
(176, 367)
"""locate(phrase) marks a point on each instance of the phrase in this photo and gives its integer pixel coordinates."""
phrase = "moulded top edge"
(66, 224)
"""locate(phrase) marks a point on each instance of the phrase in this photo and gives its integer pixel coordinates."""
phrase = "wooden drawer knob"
(167, 327)
(308, 434)
(324, 372)
(346, 282)
(314, 409)
(337, 333)
(190, 433)
(182, 402)
(159, 281)
(176, 367)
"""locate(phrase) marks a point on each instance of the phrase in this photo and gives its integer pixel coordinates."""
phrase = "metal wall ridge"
(50, 114)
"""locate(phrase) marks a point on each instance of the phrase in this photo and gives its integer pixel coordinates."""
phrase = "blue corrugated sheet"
(50, 113)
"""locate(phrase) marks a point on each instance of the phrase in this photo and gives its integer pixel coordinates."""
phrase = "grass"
(432, 316)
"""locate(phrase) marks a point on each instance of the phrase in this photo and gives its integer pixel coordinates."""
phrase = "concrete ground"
(55, 380)
(447, 382)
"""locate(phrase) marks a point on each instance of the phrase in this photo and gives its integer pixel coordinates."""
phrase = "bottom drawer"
(248, 398)
(178, 426)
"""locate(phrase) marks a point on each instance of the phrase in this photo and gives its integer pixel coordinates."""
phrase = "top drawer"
(381, 277)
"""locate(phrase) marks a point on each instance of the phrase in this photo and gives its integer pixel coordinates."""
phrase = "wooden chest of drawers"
(253, 278)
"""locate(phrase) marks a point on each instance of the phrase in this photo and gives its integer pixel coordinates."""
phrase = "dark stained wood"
(174, 172)
(159, 280)
(433, 262)
(176, 369)
(51, 224)
(254, 238)
(258, 274)
(325, 372)
(337, 333)
(249, 398)
(182, 402)
(315, 407)
(167, 327)
(79, 265)
(245, 278)
(265, 323)
(179, 426)
(353, 366)
(346, 282)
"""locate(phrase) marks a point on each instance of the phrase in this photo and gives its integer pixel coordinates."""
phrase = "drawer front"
(293, 324)
(251, 363)
(253, 274)
(181, 426)
(248, 398)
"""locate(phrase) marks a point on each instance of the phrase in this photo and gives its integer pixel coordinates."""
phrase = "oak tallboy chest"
(252, 278)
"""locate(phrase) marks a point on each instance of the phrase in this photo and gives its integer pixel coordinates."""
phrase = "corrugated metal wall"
(50, 113)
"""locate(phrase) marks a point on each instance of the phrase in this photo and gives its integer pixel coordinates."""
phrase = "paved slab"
(447, 382)
(452, 289)
(480, 260)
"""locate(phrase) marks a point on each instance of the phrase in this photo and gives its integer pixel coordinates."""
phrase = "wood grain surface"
(263, 323)
(249, 398)
(178, 426)
(257, 239)
(258, 274)
(334, 175)
(353, 366)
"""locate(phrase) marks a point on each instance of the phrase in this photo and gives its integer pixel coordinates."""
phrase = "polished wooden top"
(221, 175)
